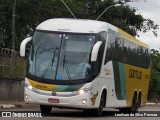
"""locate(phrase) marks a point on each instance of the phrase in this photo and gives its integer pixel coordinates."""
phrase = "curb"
(7, 106)
(17, 105)
(152, 104)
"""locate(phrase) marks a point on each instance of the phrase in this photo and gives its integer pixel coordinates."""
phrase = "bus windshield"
(59, 56)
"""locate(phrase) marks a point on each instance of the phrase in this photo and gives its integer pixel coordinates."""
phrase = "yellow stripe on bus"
(126, 36)
(42, 86)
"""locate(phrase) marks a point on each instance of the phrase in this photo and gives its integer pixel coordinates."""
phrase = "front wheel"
(45, 109)
(99, 110)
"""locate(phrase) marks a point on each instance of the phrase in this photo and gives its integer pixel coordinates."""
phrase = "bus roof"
(83, 26)
(72, 25)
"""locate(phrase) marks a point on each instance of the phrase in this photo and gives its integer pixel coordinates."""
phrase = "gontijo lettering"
(136, 74)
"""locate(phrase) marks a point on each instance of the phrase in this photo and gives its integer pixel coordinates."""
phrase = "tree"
(5, 21)
(32, 12)
(155, 76)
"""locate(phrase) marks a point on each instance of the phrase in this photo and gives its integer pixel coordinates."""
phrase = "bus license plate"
(52, 100)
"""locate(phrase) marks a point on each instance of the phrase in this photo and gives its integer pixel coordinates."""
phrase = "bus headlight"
(82, 91)
(29, 87)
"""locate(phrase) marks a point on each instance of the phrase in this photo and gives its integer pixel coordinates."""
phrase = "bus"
(85, 64)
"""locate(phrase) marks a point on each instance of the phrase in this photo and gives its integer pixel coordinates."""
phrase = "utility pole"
(13, 24)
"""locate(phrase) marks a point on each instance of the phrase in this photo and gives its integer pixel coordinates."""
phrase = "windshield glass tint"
(60, 56)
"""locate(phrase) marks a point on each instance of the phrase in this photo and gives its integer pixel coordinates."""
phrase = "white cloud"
(150, 39)
(151, 10)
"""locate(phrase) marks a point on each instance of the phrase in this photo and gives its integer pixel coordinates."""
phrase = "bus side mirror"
(95, 50)
(23, 46)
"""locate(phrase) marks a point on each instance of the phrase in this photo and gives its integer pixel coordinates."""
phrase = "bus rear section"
(127, 65)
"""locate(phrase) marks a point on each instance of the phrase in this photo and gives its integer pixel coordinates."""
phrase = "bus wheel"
(45, 110)
(99, 110)
(134, 107)
(123, 110)
(139, 100)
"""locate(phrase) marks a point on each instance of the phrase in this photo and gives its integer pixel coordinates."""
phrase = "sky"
(151, 10)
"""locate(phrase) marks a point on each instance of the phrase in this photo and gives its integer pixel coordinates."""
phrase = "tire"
(98, 112)
(139, 101)
(132, 109)
(45, 110)
(124, 110)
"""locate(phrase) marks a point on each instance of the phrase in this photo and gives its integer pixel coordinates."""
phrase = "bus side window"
(148, 58)
(140, 56)
(118, 49)
(110, 51)
(133, 53)
(125, 51)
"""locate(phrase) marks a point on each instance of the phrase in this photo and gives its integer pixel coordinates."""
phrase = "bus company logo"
(20, 114)
(135, 74)
(6, 114)
(53, 93)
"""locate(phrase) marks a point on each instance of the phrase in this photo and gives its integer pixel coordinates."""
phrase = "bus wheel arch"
(102, 103)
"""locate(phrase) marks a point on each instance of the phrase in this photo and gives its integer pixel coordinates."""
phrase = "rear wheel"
(45, 109)
(133, 108)
(139, 100)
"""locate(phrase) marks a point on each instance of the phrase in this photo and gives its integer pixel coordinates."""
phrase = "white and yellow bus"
(85, 64)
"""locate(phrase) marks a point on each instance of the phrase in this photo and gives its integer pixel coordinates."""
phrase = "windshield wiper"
(50, 64)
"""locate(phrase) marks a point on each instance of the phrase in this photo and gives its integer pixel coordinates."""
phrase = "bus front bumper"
(81, 101)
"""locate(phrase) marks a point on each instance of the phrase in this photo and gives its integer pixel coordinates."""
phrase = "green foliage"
(5, 21)
(155, 75)
(32, 12)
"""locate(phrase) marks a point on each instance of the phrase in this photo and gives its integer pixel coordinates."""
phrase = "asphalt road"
(67, 114)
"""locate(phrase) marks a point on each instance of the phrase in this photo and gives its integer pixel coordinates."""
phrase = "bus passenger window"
(118, 49)
(110, 51)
